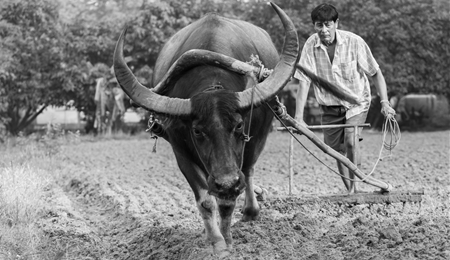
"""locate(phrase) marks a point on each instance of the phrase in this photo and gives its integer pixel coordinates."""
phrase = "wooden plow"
(386, 194)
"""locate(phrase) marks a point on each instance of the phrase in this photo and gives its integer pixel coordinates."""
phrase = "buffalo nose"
(227, 183)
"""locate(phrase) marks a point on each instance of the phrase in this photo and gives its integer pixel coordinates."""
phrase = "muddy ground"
(115, 199)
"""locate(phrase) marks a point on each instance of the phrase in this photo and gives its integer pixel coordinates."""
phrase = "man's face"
(326, 31)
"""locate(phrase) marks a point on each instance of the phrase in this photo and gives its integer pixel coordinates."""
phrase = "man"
(344, 59)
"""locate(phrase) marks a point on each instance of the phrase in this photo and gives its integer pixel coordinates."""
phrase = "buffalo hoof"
(250, 214)
(224, 254)
(221, 250)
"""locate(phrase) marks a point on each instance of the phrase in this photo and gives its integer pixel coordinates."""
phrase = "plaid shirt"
(352, 61)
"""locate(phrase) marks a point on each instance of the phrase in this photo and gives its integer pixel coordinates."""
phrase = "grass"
(27, 174)
(21, 200)
(30, 173)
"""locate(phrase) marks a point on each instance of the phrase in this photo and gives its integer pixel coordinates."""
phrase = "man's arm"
(380, 85)
(302, 95)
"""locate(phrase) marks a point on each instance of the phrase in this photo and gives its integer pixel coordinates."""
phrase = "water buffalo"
(205, 91)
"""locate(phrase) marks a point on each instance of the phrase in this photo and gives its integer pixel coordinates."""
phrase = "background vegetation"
(50, 49)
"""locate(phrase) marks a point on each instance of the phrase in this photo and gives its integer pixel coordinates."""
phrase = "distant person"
(344, 59)
(110, 107)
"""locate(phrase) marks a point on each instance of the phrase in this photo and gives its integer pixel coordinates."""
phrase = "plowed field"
(115, 199)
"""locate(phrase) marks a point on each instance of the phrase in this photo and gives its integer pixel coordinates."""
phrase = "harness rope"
(151, 123)
(263, 74)
(247, 136)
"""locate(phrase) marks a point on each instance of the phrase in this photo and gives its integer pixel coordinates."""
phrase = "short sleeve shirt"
(352, 61)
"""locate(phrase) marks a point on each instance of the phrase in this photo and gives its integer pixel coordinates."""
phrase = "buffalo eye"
(197, 132)
(239, 127)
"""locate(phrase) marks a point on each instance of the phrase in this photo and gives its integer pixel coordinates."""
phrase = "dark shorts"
(333, 115)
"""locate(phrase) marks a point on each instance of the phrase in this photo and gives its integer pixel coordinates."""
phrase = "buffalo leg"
(206, 203)
(226, 208)
(208, 208)
(251, 206)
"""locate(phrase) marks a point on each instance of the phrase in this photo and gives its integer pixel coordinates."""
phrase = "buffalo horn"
(283, 71)
(141, 95)
(266, 90)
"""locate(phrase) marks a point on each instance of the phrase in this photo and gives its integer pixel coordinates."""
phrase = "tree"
(408, 38)
(47, 60)
(34, 72)
(156, 21)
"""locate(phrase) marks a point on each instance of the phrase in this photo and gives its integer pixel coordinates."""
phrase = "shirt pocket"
(348, 70)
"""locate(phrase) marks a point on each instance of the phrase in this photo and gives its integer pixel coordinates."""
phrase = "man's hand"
(386, 109)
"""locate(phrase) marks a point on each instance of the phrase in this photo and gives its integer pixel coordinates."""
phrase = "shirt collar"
(339, 39)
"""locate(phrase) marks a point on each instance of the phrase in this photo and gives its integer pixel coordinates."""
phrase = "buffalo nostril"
(219, 186)
(231, 183)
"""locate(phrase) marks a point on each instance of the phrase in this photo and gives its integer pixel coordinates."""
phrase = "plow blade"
(363, 198)
(374, 197)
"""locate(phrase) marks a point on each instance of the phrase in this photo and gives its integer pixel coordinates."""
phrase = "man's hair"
(323, 13)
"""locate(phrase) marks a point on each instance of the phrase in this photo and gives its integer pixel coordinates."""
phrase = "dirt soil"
(118, 200)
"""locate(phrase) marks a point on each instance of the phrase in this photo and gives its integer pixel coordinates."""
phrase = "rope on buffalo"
(247, 137)
(151, 123)
(263, 74)
(390, 128)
